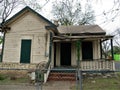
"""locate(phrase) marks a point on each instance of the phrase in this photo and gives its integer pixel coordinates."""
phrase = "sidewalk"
(59, 85)
(17, 87)
(51, 85)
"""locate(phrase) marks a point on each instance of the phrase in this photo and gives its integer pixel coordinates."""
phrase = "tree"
(1, 39)
(35, 4)
(106, 48)
(117, 37)
(116, 50)
(70, 12)
(7, 6)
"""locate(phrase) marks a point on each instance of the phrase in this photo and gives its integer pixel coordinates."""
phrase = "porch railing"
(98, 65)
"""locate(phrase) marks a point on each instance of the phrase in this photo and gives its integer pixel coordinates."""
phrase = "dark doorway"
(25, 51)
(65, 54)
(87, 51)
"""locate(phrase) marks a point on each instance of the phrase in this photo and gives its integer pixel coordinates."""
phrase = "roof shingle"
(83, 29)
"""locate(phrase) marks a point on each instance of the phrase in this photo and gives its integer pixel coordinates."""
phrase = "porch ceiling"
(85, 37)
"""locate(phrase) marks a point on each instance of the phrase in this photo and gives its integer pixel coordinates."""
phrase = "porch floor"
(74, 69)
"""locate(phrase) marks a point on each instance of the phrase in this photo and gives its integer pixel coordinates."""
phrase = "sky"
(105, 11)
(104, 15)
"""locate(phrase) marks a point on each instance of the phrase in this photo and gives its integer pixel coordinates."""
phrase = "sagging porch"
(91, 58)
(68, 73)
(65, 52)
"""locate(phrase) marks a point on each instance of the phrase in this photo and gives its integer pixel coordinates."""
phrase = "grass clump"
(100, 83)
(8, 79)
(2, 77)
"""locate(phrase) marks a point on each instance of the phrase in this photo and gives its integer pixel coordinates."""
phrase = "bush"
(2, 77)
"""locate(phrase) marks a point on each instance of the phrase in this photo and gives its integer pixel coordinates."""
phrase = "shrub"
(2, 77)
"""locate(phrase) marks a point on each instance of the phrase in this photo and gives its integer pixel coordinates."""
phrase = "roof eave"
(53, 28)
(82, 34)
(25, 10)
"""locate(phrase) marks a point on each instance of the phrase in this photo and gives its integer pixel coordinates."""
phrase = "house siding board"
(10, 48)
(27, 26)
(39, 58)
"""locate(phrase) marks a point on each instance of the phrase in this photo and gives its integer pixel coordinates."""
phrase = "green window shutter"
(25, 51)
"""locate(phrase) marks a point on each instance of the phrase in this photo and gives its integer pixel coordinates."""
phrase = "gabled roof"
(81, 30)
(31, 10)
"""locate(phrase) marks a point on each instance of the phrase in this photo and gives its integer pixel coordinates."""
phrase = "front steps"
(62, 76)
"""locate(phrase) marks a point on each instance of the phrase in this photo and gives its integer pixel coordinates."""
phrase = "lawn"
(96, 83)
(7, 79)
(99, 83)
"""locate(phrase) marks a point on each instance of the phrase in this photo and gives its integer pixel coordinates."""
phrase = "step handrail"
(47, 71)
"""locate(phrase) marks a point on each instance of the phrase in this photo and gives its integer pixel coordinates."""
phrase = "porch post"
(79, 70)
(101, 49)
(111, 40)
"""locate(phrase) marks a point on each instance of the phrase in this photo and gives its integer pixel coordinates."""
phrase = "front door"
(65, 54)
(25, 51)
(87, 50)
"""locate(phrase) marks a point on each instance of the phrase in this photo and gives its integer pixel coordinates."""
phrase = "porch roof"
(77, 30)
(83, 37)
(81, 30)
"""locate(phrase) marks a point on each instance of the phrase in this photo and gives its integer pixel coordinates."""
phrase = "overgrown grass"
(7, 79)
(112, 83)
(2, 77)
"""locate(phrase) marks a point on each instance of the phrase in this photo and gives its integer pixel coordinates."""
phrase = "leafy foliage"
(116, 50)
(1, 39)
(2, 77)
